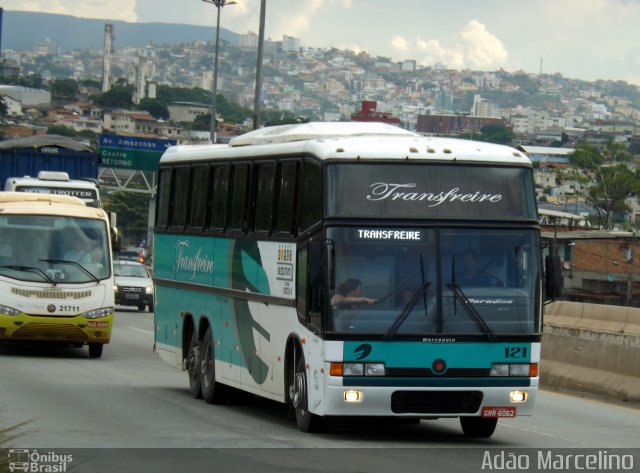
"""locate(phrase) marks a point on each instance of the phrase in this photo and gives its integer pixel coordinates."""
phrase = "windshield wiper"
(30, 269)
(82, 268)
(471, 311)
(406, 310)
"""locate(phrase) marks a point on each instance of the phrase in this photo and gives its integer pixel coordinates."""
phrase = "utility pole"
(214, 125)
(257, 101)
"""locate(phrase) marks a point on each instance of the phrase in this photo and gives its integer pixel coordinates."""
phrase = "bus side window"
(311, 195)
(238, 214)
(219, 197)
(199, 187)
(164, 201)
(287, 181)
(263, 197)
(180, 197)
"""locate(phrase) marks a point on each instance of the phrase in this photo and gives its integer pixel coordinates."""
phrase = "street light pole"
(213, 129)
(257, 103)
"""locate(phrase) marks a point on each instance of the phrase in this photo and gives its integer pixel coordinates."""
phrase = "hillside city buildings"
(332, 85)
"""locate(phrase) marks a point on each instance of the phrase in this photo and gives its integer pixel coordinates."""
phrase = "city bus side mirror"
(116, 236)
(552, 277)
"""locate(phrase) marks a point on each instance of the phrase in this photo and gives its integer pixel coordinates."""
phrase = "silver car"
(133, 284)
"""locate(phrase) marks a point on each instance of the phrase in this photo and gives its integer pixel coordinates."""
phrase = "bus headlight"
(356, 369)
(515, 369)
(4, 310)
(353, 369)
(95, 314)
(374, 369)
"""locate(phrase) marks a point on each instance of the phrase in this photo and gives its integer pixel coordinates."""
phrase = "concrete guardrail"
(592, 348)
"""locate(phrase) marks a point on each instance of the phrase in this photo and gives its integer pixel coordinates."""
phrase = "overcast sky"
(581, 39)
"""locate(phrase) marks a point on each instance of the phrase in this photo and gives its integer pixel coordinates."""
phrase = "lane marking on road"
(141, 330)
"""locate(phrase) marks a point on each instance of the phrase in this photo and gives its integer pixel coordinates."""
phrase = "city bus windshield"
(54, 249)
(426, 282)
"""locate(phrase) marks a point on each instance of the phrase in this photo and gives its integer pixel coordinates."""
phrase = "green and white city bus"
(255, 242)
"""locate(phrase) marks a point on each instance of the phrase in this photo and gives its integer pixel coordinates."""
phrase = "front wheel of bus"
(95, 350)
(478, 427)
(307, 422)
(193, 367)
(212, 391)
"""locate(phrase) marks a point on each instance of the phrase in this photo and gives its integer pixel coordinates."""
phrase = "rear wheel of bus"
(212, 391)
(193, 367)
(478, 427)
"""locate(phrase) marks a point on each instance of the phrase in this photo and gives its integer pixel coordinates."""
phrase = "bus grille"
(40, 294)
(53, 332)
(132, 289)
(428, 373)
(436, 402)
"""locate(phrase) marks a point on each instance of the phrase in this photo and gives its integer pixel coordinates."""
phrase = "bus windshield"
(54, 249)
(442, 282)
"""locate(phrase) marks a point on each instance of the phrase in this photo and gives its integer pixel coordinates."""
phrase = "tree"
(61, 130)
(157, 108)
(117, 97)
(606, 177)
(132, 209)
(495, 133)
(64, 88)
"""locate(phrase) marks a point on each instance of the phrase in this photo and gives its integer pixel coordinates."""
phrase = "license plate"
(499, 411)
(132, 296)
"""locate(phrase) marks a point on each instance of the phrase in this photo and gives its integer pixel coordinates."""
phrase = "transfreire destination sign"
(131, 152)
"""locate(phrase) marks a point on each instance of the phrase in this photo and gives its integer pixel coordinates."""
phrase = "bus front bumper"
(427, 402)
(76, 329)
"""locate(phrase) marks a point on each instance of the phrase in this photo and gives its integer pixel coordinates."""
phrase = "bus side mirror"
(552, 277)
(116, 236)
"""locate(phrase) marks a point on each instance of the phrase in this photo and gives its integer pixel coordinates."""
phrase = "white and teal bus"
(254, 242)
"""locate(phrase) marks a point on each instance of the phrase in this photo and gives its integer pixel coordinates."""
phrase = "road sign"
(131, 152)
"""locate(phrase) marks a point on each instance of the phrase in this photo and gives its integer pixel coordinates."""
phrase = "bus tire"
(478, 427)
(95, 350)
(307, 422)
(212, 391)
(193, 367)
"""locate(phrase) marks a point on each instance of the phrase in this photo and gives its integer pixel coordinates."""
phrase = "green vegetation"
(118, 97)
(133, 210)
(607, 178)
(495, 133)
(157, 108)
(64, 89)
